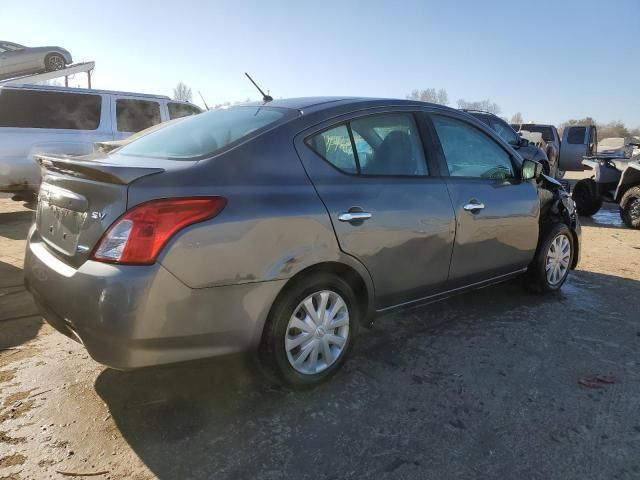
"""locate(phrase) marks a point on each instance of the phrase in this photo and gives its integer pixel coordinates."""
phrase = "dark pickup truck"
(567, 152)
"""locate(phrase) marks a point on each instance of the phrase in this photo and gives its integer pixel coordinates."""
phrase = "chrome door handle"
(353, 216)
(471, 206)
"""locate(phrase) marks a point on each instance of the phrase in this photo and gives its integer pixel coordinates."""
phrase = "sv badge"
(98, 215)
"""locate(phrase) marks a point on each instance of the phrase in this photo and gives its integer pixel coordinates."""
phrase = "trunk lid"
(80, 197)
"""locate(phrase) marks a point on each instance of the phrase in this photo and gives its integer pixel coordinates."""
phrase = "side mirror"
(531, 170)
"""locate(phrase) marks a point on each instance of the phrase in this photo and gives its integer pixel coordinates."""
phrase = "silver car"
(284, 228)
(17, 59)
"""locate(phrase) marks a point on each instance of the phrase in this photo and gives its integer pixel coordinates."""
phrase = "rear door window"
(469, 152)
(54, 110)
(385, 145)
(334, 145)
(395, 144)
(135, 115)
(179, 110)
(576, 135)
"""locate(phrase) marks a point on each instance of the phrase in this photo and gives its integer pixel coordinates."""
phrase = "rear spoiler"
(94, 169)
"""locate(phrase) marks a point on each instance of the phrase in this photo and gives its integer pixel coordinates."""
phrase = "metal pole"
(89, 78)
(66, 80)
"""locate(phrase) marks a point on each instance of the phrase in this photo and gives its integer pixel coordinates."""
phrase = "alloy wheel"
(634, 209)
(317, 332)
(558, 258)
(56, 62)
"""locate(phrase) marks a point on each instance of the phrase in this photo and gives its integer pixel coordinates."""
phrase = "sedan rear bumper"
(137, 316)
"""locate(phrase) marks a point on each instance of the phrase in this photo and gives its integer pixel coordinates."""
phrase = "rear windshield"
(201, 135)
(547, 132)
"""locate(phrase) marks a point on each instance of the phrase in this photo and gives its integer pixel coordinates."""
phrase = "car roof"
(54, 88)
(317, 104)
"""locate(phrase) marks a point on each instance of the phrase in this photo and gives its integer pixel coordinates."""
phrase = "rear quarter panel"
(273, 226)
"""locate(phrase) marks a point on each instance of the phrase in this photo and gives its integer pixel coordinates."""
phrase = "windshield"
(547, 132)
(205, 134)
(11, 46)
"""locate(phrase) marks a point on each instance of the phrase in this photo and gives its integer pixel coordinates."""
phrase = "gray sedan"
(284, 228)
(17, 59)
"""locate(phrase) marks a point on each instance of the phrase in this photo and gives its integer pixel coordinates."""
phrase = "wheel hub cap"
(317, 332)
(558, 258)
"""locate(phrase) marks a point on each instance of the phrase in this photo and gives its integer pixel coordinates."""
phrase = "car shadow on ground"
(19, 320)
(477, 385)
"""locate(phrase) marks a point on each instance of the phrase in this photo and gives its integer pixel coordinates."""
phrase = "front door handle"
(473, 205)
(354, 216)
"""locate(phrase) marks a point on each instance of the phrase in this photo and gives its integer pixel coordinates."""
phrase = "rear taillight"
(138, 236)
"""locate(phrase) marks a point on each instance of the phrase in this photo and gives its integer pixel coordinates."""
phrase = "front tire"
(630, 207)
(553, 259)
(585, 194)
(310, 331)
(54, 62)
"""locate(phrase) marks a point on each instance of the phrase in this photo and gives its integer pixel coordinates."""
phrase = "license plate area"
(60, 217)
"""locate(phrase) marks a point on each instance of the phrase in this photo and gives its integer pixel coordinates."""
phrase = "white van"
(43, 119)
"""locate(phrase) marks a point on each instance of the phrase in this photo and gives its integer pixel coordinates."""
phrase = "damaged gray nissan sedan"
(283, 228)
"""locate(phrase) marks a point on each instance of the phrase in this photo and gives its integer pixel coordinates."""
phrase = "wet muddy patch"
(17, 410)
(12, 460)
(607, 217)
(8, 440)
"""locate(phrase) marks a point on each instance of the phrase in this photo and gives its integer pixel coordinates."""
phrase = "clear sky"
(551, 60)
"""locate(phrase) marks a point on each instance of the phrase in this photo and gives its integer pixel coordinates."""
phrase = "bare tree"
(442, 98)
(517, 118)
(182, 93)
(430, 95)
(483, 105)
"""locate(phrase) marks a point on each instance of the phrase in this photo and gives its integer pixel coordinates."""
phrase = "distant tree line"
(440, 97)
(615, 129)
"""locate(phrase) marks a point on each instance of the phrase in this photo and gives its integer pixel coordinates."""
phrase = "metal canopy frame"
(86, 67)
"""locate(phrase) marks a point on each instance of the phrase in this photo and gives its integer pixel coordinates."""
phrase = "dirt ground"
(484, 385)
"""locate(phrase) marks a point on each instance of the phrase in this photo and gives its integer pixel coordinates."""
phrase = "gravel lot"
(484, 385)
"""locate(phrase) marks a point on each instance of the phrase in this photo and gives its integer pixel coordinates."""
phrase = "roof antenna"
(265, 98)
(203, 101)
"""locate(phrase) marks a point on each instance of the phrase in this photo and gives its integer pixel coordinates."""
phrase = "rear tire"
(553, 259)
(585, 194)
(630, 207)
(54, 62)
(291, 331)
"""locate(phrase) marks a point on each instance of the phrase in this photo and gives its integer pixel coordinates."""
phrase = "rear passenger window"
(469, 152)
(377, 145)
(335, 146)
(56, 110)
(576, 135)
(395, 143)
(136, 115)
(179, 110)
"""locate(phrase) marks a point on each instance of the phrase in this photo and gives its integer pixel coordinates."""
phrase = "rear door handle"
(354, 216)
(473, 205)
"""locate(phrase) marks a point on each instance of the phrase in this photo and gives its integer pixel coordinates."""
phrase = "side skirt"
(456, 291)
